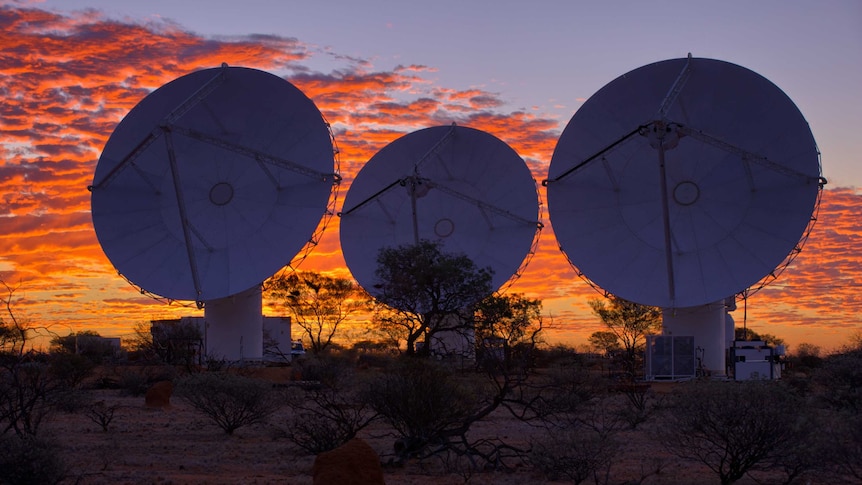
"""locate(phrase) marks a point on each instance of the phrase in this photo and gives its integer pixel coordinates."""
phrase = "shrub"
(734, 427)
(558, 355)
(136, 380)
(102, 414)
(575, 455)
(843, 446)
(641, 403)
(28, 394)
(562, 392)
(229, 400)
(841, 376)
(29, 460)
(70, 400)
(71, 369)
(422, 401)
(328, 370)
(325, 418)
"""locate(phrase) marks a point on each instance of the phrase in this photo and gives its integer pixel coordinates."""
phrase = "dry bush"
(137, 379)
(329, 369)
(641, 403)
(325, 420)
(330, 413)
(840, 376)
(28, 394)
(575, 455)
(229, 400)
(101, 413)
(734, 427)
(843, 446)
(71, 369)
(580, 443)
(422, 402)
(30, 460)
(561, 393)
(433, 406)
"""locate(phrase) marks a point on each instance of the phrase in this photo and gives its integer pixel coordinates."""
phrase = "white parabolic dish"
(683, 182)
(458, 185)
(212, 183)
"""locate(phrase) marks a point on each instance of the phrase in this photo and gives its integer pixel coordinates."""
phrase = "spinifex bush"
(229, 400)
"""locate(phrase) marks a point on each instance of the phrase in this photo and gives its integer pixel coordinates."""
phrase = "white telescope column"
(234, 326)
(707, 324)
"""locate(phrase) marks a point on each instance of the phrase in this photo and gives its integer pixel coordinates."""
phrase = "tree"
(8, 336)
(13, 332)
(605, 341)
(433, 408)
(513, 319)
(69, 343)
(807, 356)
(742, 333)
(631, 323)
(425, 291)
(318, 304)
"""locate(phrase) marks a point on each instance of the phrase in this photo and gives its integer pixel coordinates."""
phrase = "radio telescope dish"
(458, 185)
(212, 183)
(683, 182)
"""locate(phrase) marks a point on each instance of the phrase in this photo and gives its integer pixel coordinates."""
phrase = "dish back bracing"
(454, 184)
(212, 183)
(683, 182)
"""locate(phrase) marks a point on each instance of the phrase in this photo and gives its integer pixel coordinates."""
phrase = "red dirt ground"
(176, 445)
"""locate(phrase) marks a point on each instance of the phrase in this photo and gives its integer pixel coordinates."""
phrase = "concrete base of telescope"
(234, 326)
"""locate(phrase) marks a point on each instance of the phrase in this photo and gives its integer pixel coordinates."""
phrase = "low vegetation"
(231, 401)
(416, 410)
(575, 416)
(735, 427)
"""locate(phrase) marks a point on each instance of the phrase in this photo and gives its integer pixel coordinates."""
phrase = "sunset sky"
(71, 69)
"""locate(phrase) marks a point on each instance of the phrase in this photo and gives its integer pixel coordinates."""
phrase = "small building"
(754, 359)
(99, 347)
(670, 358)
(84, 341)
(494, 349)
(278, 346)
(188, 340)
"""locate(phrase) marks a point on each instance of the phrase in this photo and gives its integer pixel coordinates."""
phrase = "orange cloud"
(66, 80)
